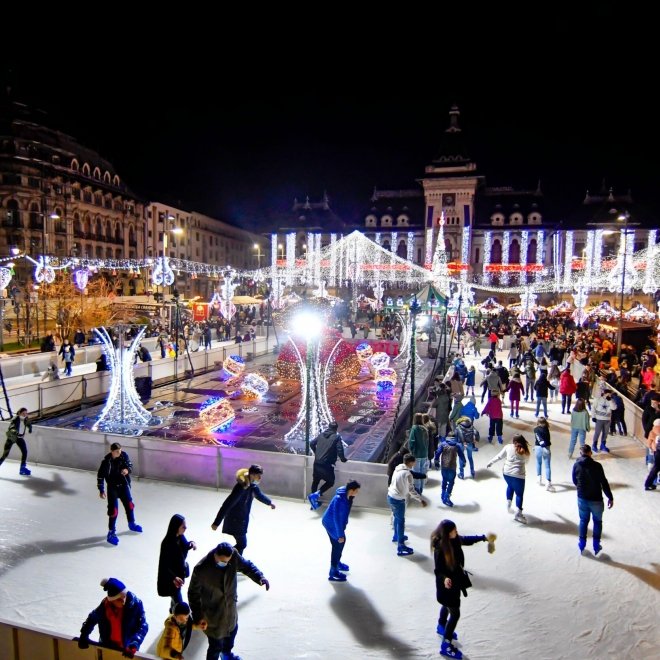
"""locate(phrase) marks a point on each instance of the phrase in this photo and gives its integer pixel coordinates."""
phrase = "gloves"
(265, 583)
(83, 643)
(129, 652)
(491, 538)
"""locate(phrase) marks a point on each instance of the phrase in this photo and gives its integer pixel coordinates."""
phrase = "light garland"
(123, 411)
(488, 242)
(650, 285)
(506, 246)
(428, 259)
(540, 253)
(290, 258)
(385, 380)
(568, 258)
(589, 261)
(524, 246)
(333, 262)
(254, 386)
(81, 277)
(465, 251)
(162, 274)
(617, 278)
(5, 277)
(216, 414)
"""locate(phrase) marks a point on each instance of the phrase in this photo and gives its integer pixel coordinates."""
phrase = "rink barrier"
(634, 412)
(193, 464)
(40, 396)
(28, 643)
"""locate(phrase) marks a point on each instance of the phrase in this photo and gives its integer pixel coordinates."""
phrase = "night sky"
(189, 132)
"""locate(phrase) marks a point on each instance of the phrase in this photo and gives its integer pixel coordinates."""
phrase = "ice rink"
(536, 597)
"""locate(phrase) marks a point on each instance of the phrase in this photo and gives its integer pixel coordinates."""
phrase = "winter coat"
(449, 451)
(542, 436)
(456, 411)
(465, 431)
(470, 410)
(602, 408)
(173, 640)
(15, 426)
(327, 447)
(235, 510)
(567, 384)
(134, 625)
(542, 386)
(589, 477)
(494, 382)
(67, 352)
(580, 420)
(172, 561)
(456, 387)
(402, 485)
(583, 390)
(418, 441)
(212, 594)
(110, 471)
(515, 389)
(442, 404)
(493, 408)
(335, 518)
(470, 378)
(514, 463)
(459, 580)
(649, 415)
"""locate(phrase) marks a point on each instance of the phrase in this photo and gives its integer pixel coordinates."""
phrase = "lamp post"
(415, 309)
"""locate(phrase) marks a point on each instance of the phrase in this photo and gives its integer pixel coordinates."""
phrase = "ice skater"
(327, 447)
(213, 594)
(589, 477)
(335, 520)
(543, 453)
(450, 450)
(516, 455)
(235, 510)
(172, 566)
(120, 618)
(398, 492)
(115, 471)
(451, 579)
(19, 424)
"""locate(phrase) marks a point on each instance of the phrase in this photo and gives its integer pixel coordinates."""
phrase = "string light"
(5, 277)
(216, 414)
(385, 379)
(488, 242)
(364, 352)
(379, 360)
(234, 366)
(506, 244)
(254, 386)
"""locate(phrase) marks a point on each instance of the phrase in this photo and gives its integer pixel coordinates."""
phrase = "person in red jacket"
(494, 410)
(567, 388)
(492, 338)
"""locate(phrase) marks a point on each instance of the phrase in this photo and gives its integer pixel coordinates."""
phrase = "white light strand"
(488, 242)
(524, 246)
(273, 255)
(428, 258)
(317, 258)
(568, 258)
(580, 299)
(618, 279)
(506, 246)
(290, 258)
(650, 285)
(540, 254)
(589, 256)
(597, 265)
(410, 253)
(465, 252)
(333, 262)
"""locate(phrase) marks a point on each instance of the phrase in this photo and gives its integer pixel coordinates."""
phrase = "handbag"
(466, 583)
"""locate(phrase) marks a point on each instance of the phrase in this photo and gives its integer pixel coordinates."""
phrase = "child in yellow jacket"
(175, 637)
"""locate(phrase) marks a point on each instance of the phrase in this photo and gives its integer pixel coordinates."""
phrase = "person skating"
(68, 353)
(172, 566)
(418, 441)
(120, 618)
(235, 510)
(516, 455)
(213, 594)
(654, 447)
(335, 520)
(398, 492)
(493, 409)
(466, 435)
(19, 424)
(176, 633)
(451, 579)
(327, 447)
(602, 412)
(567, 388)
(543, 453)
(589, 477)
(515, 389)
(115, 471)
(450, 450)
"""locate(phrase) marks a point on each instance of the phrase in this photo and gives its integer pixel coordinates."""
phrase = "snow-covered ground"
(536, 597)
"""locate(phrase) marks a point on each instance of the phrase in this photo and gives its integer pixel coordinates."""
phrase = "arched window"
(131, 236)
(386, 221)
(78, 228)
(386, 245)
(87, 225)
(370, 221)
(115, 180)
(531, 252)
(496, 252)
(108, 253)
(85, 169)
(106, 177)
(118, 235)
(108, 229)
(75, 165)
(98, 227)
(36, 219)
(402, 250)
(514, 252)
(448, 249)
(97, 173)
(98, 253)
(118, 252)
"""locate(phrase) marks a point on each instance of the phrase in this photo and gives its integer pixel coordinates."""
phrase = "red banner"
(200, 311)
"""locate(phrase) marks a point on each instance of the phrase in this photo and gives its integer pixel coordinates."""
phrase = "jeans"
(218, 645)
(515, 485)
(566, 402)
(543, 453)
(421, 466)
(587, 508)
(399, 512)
(618, 423)
(602, 425)
(448, 478)
(654, 470)
(529, 388)
(575, 434)
(469, 448)
(337, 549)
(542, 400)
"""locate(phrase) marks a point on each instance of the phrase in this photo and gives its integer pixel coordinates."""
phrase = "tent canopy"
(246, 300)
(428, 293)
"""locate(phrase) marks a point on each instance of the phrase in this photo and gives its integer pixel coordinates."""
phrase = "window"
(496, 252)
(75, 165)
(477, 254)
(85, 169)
(36, 219)
(115, 180)
(370, 221)
(402, 250)
(531, 252)
(97, 173)
(13, 215)
(33, 182)
(497, 219)
(386, 221)
(106, 177)
(514, 251)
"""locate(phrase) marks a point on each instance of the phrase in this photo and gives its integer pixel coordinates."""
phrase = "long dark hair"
(440, 541)
(521, 445)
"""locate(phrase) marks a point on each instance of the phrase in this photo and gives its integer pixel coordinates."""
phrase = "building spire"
(454, 114)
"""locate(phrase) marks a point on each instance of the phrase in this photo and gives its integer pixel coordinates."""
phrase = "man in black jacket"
(115, 471)
(327, 447)
(589, 477)
(235, 510)
(16, 434)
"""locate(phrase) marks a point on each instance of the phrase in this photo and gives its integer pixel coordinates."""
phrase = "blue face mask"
(220, 564)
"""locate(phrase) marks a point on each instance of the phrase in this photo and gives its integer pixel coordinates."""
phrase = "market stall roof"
(427, 293)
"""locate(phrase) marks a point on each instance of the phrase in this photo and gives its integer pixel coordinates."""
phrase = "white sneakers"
(519, 517)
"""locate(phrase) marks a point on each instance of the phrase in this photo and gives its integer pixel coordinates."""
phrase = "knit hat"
(114, 587)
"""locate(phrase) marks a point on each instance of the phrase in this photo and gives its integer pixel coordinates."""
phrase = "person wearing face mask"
(213, 594)
(235, 510)
(120, 618)
(172, 565)
(16, 434)
(335, 520)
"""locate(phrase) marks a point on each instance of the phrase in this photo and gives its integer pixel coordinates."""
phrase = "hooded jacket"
(335, 518)
(465, 431)
(172, 561)
(567, 384)
(235, 510)
(402, 484)
(327, 447)
(213, 592)
(173, 640)
(111, 471)
(470, 410)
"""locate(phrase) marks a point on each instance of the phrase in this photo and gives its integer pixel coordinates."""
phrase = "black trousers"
(453, 614)
(114, 494)
(20, 442)
(325, 473)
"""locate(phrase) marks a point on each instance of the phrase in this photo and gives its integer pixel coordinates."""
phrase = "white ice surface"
(536, 597)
